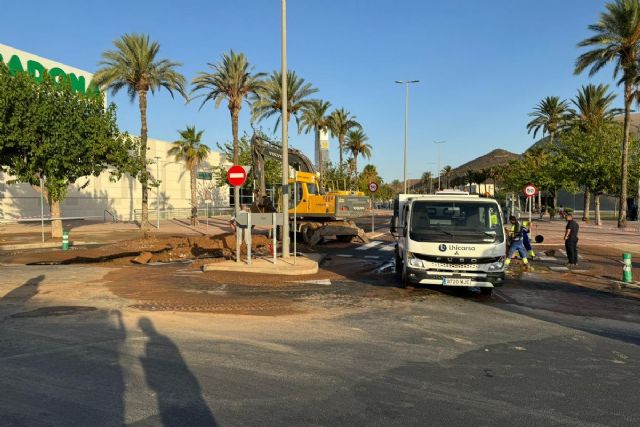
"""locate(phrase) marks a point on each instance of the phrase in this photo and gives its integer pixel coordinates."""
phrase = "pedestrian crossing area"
(380, 248)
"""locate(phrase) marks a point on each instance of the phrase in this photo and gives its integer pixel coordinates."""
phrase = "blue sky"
(483, 65)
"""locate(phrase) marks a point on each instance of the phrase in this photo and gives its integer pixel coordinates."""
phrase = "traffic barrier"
(65, 240)
(627, 274)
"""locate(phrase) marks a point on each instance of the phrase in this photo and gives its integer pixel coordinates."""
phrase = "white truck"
(449, 238)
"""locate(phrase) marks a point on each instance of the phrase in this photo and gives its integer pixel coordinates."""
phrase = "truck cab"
(449, 239)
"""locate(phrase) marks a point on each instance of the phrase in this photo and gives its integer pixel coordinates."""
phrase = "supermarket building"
(98, 197)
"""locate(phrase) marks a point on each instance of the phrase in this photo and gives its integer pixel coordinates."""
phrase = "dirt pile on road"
(143, 251)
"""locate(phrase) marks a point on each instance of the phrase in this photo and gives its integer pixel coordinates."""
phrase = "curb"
(262, 266)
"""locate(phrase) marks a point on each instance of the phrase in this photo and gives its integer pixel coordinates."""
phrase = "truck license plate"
(456, 282)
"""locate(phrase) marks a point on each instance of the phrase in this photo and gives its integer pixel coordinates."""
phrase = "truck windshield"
(456, 221)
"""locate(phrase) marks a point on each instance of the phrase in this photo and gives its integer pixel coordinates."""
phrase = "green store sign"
(37, 70)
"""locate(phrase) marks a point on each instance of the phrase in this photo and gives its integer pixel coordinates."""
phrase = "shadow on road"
(178, 391)
(24, 292)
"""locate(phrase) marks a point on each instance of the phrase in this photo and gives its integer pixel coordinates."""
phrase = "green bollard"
(65, 240)
(627, 275)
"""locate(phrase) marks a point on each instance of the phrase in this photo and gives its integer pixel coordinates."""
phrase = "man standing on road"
(571, 240)
(517, 244)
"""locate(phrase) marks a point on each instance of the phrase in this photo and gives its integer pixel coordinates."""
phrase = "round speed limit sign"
(530, 190)
(373, 187)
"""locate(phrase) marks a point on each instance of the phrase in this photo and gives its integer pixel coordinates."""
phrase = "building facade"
(99, 197)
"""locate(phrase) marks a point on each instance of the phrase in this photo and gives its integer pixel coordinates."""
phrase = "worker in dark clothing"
(571, 240)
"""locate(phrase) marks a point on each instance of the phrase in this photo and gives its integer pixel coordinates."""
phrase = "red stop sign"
(236, 175)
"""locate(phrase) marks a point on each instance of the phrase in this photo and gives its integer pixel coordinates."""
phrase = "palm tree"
(340, 123)
(134, 65)
(617, 40)
(593, 105)
(550, 115)
(356, 144)
(314, 117)
(427, 179)
(267, 102)
(190, 150)
(446, 173)
(232, 79)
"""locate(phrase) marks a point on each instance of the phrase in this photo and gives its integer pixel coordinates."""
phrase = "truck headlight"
(412, 261)
(498, 265)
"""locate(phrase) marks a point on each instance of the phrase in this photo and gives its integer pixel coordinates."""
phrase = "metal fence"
(183, 213)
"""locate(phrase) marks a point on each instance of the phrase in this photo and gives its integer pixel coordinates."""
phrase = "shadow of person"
(178, 391)
(24, 292)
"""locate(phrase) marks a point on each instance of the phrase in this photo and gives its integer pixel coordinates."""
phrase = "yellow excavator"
(318, 214)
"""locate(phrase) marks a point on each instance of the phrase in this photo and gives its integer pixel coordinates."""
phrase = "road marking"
(388, 248)
(559, 268)
(546, 258)
(326, 282)
(372, 256)
(345, 255)
(370, 245)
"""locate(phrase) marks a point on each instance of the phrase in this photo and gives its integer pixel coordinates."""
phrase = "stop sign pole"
(530, 191)
(236, 176)
(373, 187)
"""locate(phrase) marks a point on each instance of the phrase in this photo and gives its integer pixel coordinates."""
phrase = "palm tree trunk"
(236, 153)
(587, 206)
(355, 165)
(194, 195)
(340, 147)
(596, 198)
(628, 97)
(320, 159)
(144, 177)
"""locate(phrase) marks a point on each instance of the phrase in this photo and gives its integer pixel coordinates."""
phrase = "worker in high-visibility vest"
(525, 239)
(516, 242)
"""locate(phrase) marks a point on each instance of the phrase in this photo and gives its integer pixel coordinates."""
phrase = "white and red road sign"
(236, 175)
(373, 187)
(530, 190)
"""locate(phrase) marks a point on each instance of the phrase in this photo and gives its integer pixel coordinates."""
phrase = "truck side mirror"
(393, 227)
(404, 231)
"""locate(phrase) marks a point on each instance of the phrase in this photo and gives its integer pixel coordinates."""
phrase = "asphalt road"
(358, 352)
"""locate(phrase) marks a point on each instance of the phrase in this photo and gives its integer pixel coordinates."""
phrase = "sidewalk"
(302, 266)
(28, 235)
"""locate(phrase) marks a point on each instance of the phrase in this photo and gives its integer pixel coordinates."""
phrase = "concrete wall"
(122, 197)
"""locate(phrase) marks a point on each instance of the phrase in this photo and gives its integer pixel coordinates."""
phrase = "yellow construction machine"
(318, 214)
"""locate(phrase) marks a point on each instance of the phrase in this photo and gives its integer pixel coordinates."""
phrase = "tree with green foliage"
(49, 132)
(232, 79)
(314, 117)
(267, 102)
(426, 181)
(134, 66)
(340, 123)
(356, 144)
(593, 160)
(446, 174)
(616, 41)
(593, 112)
(190, 150)
(550, 115)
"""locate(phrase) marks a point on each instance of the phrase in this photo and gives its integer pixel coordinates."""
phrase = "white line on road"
(369, 245)
(388, 248)
(372, 257)
(345, 255)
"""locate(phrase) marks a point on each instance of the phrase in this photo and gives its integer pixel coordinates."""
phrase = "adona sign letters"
(19, 61)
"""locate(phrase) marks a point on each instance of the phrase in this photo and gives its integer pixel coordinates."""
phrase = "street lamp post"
(406, 126)
(285, 136)
(438, 143)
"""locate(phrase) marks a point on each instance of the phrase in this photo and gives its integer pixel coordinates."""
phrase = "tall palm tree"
(356, 144)
(446, 172)
(593, 109)
(267, 102)
(340, 123)
(550, 115)
(230, 78)
(190, 150)
(314, 117)
(617, 40)
(134, 65)
(593, 106)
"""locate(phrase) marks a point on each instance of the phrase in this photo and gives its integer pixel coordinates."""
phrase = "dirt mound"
(154, 249)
